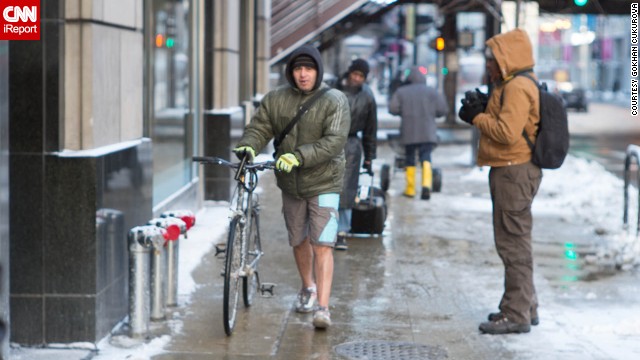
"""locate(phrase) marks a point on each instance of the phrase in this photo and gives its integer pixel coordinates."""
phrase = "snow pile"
(584, 190)
(587, 192)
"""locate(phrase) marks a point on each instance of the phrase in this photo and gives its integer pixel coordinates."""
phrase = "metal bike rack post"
(175, 228)
(158, 272)
(633, 153)
(141, 240)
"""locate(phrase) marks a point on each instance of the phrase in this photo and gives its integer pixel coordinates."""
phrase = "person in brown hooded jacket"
(512, 107)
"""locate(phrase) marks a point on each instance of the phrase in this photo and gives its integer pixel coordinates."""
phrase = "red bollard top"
(173, 227)
(190, 220)
(172, 232)
(185, 215)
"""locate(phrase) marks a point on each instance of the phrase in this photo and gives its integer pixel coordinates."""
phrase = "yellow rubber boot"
(410, 174)
(427, 180)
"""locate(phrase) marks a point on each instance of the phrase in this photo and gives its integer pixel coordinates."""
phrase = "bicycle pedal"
(220, 249)
(267, 288)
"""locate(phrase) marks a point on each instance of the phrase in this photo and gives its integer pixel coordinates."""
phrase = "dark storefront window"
(169, 62)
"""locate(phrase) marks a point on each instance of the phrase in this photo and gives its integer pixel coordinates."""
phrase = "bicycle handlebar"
(265, 165)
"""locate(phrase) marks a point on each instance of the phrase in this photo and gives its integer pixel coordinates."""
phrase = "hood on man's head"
(305, 53)
(513, 51)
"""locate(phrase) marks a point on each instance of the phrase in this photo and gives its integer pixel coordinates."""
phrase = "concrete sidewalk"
(418, 292)
(388, 297)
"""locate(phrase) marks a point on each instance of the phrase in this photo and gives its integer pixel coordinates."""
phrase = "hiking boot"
(535, 320)
(341, 243)
(503, 325)
(306, 300)
(321, 318)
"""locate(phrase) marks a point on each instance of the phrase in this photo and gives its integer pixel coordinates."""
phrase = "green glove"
(286, 162)
(242, 151)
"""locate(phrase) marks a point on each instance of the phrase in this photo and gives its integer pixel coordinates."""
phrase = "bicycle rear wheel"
(254, 250)
(231, 275)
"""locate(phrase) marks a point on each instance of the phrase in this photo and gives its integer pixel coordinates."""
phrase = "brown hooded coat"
(501, 125)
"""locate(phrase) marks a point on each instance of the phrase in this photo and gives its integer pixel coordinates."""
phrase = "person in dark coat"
(418, 105)
(364, 120)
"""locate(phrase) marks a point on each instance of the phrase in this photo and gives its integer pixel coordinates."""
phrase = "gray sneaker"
(321, 318)
(306, 300)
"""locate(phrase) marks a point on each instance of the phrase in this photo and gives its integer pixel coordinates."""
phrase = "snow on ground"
(584, 191)
(595, 320)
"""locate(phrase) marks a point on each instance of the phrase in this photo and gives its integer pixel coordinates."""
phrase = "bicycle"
(243, 250)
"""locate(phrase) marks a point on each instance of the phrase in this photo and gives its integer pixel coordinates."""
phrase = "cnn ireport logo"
(19, 19)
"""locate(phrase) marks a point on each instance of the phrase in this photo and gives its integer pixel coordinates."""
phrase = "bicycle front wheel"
(232, 275)
(254, 251)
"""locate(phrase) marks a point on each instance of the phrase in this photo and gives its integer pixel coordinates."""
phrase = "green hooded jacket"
(317, 139)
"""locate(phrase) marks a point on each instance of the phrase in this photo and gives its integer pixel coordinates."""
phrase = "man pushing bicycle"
(309, 123)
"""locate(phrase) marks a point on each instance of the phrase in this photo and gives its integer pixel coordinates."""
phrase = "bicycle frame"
(246, 184)
(241, 241)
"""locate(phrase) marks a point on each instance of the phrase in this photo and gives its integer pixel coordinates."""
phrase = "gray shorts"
(315, 217)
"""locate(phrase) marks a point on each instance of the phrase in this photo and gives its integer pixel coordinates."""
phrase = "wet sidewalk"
(417, 292)
(391, 294)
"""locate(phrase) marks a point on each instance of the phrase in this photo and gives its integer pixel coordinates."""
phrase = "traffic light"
(165, 41)
(159, 40)
(580, 2)
(437, 43)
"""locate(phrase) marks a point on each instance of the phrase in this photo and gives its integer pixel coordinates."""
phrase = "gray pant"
(512, 191)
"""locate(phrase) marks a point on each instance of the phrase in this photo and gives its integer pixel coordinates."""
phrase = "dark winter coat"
(364, 116)
(317, 139)
(501, 124)
(418, 105)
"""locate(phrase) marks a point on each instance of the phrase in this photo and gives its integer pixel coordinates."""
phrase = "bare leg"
(324, 273)
(303, 255)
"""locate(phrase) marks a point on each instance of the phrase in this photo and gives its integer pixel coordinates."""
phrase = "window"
(169, 64)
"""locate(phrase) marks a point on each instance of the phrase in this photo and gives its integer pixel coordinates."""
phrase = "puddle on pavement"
(568, 263)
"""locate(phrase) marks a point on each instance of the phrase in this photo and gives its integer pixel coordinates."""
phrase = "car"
(576, 99)
(572, 97)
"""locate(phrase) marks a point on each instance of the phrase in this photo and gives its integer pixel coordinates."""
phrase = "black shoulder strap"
(303, 109)
(527, 74)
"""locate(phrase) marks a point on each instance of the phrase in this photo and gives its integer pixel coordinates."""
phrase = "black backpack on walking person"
(552, 142)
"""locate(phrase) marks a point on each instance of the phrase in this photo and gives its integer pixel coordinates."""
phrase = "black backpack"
(552, 142)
